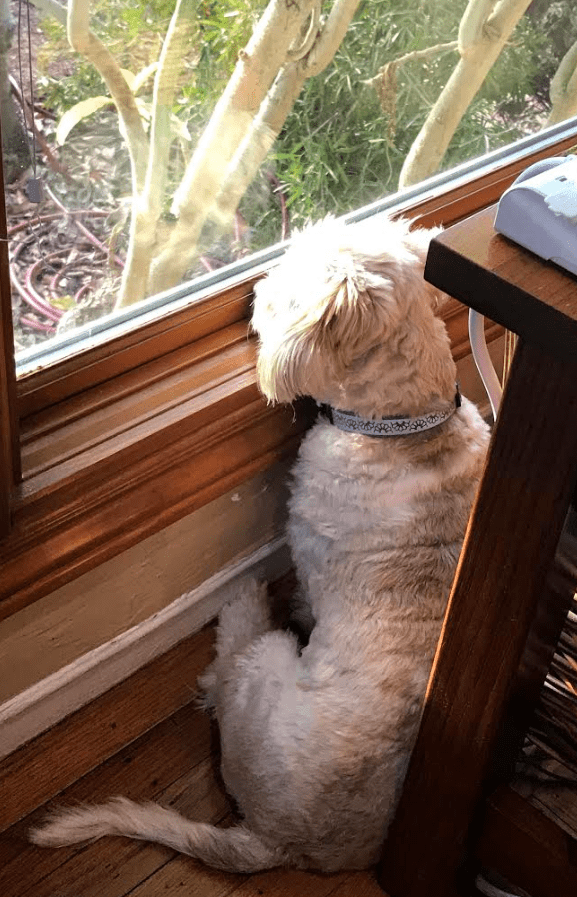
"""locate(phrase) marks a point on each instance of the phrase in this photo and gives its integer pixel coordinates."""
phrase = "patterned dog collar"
(350, 422)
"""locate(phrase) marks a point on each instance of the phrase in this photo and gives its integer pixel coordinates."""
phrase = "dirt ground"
(63, 271)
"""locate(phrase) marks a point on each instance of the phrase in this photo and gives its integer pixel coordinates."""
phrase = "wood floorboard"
(359, 884)
(175, 878)
(141, 772)
(557, 801)
(171, 762)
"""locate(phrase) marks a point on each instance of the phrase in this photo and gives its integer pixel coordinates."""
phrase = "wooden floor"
(556, 800)
(171, 762)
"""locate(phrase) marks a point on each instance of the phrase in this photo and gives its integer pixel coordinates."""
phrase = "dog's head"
(347, 304)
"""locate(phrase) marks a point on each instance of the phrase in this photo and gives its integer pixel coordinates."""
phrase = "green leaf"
(65, 303)
(77, 113)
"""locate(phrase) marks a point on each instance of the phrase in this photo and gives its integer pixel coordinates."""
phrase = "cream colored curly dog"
(315, 742)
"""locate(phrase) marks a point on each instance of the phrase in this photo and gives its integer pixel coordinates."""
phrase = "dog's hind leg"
(259, 702)
(240, 621)
(244, 618)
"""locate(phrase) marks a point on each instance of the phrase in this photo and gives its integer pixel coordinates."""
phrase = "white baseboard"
(47, 702)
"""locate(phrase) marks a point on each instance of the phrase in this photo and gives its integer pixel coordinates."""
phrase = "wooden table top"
(504, 282)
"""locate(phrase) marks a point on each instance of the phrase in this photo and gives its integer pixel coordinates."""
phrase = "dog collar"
(350, 422)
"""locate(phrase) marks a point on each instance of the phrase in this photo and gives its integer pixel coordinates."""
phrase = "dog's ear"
(354, 314)
(301, 352)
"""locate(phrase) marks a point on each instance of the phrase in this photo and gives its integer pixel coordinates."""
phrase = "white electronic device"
(539, 211)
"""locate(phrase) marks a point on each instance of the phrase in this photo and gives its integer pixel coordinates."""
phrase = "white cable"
(490, 890)
(483, 360)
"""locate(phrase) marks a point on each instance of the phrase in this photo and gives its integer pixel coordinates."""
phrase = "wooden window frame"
(127, 437)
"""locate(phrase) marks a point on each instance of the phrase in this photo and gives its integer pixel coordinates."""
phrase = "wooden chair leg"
(510, 543)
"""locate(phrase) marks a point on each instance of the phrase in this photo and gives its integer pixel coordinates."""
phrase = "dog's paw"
(244, 618)
(206, 688)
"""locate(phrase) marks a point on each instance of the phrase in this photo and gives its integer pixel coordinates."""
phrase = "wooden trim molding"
(9, 454)
(43, 767)
(52, 698)
(208, 313)
(6, 428)
(101, 477)
(9, 448)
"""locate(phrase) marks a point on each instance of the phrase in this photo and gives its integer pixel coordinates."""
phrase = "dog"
(316, 740)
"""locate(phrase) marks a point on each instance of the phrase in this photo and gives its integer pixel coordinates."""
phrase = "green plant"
(342, 147)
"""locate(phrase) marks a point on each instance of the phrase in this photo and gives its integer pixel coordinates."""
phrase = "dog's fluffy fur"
(315, 743)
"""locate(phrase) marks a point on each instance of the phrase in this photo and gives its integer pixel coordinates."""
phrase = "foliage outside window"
(177, 138)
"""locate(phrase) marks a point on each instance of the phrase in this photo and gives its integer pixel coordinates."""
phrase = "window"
(129, 420)
(180, 139)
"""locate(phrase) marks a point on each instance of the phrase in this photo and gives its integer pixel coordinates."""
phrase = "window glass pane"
(239, 121)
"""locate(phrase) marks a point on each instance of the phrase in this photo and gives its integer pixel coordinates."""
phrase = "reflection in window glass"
(179, 138)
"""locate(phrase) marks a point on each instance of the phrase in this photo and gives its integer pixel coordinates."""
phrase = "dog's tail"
(234, 849)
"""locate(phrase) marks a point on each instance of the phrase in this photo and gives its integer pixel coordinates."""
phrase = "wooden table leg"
(510, 543)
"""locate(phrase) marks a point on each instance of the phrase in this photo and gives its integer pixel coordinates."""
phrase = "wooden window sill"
(106, 468)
